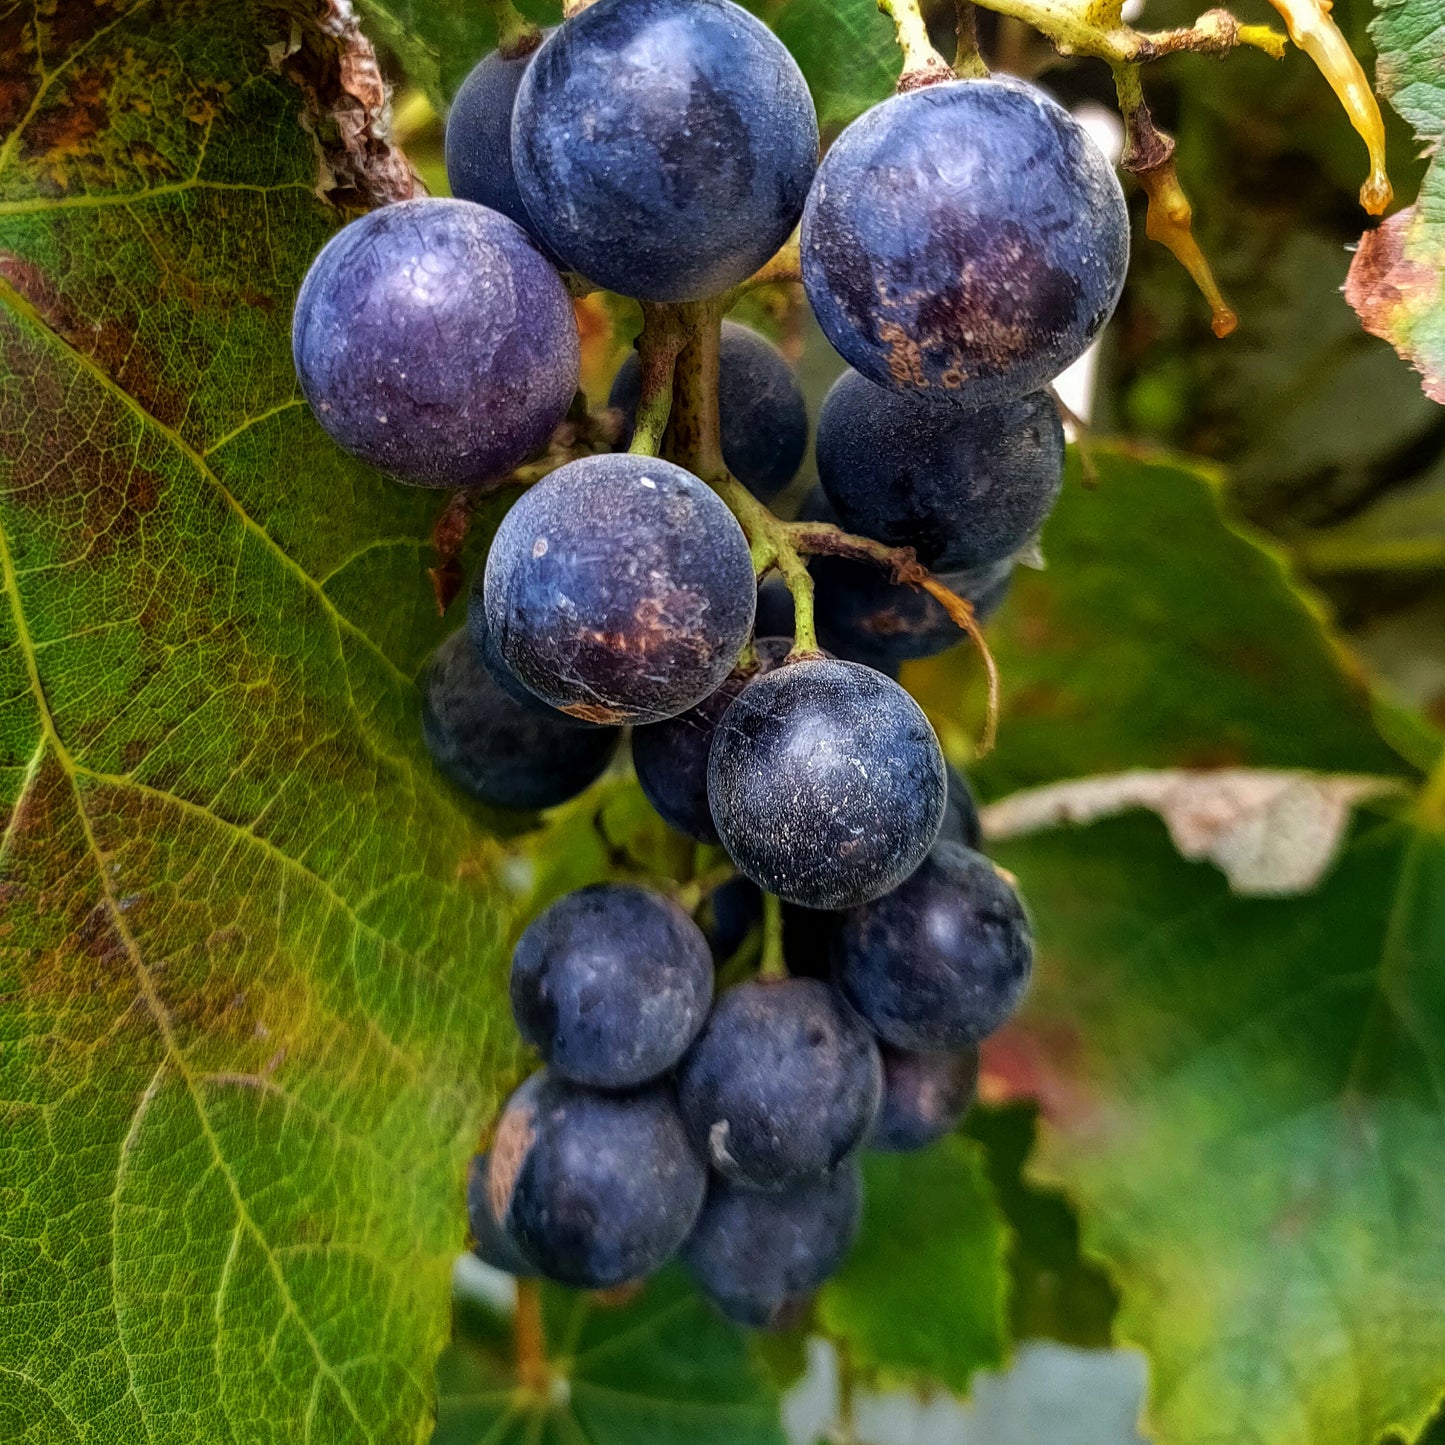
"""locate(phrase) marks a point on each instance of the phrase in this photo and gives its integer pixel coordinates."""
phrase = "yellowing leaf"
(249, 994)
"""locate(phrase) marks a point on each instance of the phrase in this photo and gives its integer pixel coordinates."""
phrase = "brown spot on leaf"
(1388, 290)
(69, 128)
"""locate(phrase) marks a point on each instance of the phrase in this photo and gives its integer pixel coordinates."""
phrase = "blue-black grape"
(943, 960)
(435, 341)
(965, 240)
(761, 410)
(484, 644)
(925, 1095)
(671, 756)
(664, 148)
(775, 608)
(479, 135)
(620, 588)
(733, 909)
(960, 815)
(826, 783)
(808, 941)
(758, 1257)
(861, 615)
(611, 984)
(964, 489)
(497, 749)
(782, 1083)
(596, 1189)
(489, 1241)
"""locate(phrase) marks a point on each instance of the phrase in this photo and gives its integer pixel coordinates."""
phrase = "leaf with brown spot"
(248, 1030)
(1397, 280)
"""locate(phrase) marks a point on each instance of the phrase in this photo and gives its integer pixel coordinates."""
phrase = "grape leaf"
(845, 49)
(1397, 279)
(439, 41)
(1054, 1290)
(1159, 636)
(921, 1296)
(248, 1021)
(1244, 1096)
(665, 1369)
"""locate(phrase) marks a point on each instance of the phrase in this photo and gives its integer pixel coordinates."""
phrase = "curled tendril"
(1313, 29)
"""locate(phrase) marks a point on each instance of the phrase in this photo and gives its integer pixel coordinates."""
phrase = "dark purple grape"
(671, 757)
(497, 749)
(620, 589)
(479, 135)
(861, 615)
(808, 941)
(596, 1189)
(761, 409)
(924, 1097)
(966, 241)
(664, 148)
(960, 815)
(484, 644)
(943, 960)
(758, 1257)
(775, 608)
(782, 1083)
(611, 984)
(733, 909)
(489, 1241)
(826, 783)
(964, 489)
(435, 341)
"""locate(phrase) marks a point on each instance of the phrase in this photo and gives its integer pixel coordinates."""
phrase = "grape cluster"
(960, 245)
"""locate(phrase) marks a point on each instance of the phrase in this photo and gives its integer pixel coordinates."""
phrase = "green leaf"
(1396, 280)
(845, 49)
(922, 1293)
(665, 1369)
(439, 41)
(1244, 1097)
(251, 1007)
(1054, 1291)
(1160, 635)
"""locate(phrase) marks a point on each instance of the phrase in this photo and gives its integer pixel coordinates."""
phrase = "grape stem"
(773, 964)
(824, 539)
(530, 1340)
(1313, 29)
(787, 265)
(688, 896)
(1099, 30)
(968, 62)
(693, 438)
(922, 64)
(658, 363)
(516, 35)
